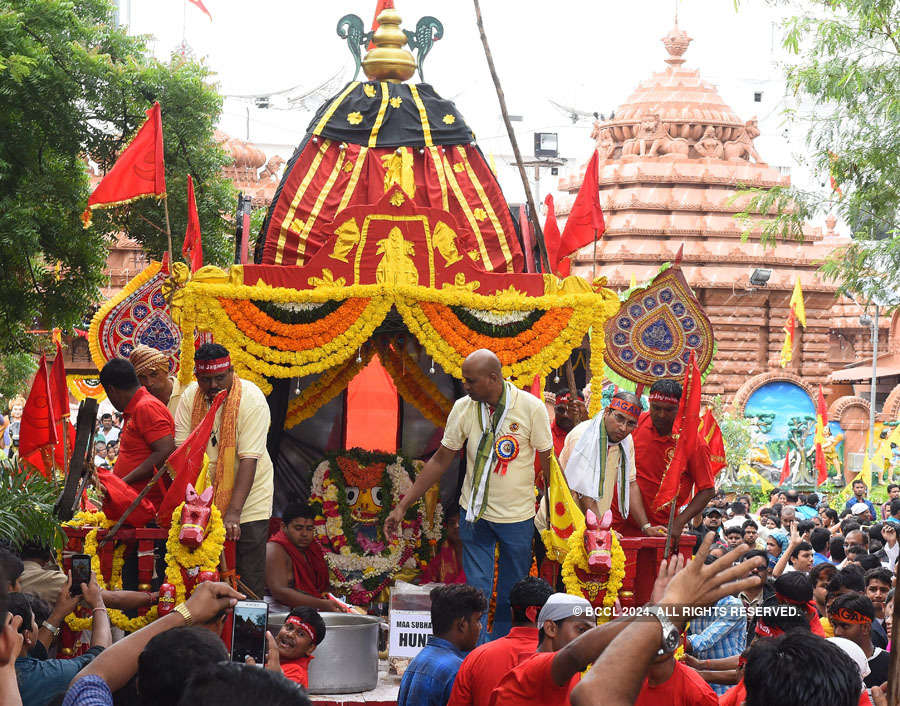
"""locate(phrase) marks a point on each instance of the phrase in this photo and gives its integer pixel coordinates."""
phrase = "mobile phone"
(81, 572)
(248, 631)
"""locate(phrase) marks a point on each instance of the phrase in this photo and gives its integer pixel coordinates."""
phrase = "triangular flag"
(559, 266)
(819, 441)
(186, 461)
(785, 468)
(565, 515)
(199, 4)
(712, 435)
(585, 223)
(139, 172)
(382, 5)
(797, 305)
(192, 249)
(686, 431)
(37, 430)
(787, 349)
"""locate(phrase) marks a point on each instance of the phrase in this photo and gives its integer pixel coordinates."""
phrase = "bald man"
(503, 429)
(598, 462)
(152, 368)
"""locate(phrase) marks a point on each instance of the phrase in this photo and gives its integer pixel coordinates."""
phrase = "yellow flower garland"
(577, 557)
(414, 386)
(178, 556)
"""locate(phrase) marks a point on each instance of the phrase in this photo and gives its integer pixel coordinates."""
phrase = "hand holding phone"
(81, 572)
(248, 631)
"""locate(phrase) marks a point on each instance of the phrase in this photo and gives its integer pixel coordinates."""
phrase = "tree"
(736, 437)
(72, 85)
(16, 370)
(844, 69)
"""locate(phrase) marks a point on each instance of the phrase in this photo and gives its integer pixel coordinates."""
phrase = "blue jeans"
(479, 540)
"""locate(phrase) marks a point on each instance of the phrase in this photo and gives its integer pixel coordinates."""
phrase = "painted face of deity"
(365, 495)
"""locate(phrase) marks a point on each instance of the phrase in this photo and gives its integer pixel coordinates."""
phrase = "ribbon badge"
(506, 449)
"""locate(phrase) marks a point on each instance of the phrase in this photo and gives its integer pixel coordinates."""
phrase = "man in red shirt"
(569, 410)
(148, 431)
(569, 642)
(654, 447)
(672, 683)
(485, 666)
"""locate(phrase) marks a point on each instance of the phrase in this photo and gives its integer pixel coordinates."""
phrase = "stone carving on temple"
(710, 145)
(603, 141)
(741, 147)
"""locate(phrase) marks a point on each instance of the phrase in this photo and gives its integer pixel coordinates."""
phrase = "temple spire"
(676, 43)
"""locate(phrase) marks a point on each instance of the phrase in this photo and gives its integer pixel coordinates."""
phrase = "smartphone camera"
(81, 572)
(248, 631)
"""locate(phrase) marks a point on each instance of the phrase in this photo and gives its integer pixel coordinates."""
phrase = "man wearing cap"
(598, 479)
(484, 667)
(240, 470)
(148, 431)
(503, 429)
(862, 512)
(152, 368)
(654, 447)
(568, 643)
(712, 522)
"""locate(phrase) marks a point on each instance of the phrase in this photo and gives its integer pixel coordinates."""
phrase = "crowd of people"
(790, 578)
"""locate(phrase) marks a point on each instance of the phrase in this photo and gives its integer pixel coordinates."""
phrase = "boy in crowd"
(852, 615)
(302, 632)
(819, 576)
(878, 585)
(456, 622)
(751, 535)
(734, 535)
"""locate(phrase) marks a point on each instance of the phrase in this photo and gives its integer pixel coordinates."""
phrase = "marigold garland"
(327, 387)
(414, 386)
(577, 557)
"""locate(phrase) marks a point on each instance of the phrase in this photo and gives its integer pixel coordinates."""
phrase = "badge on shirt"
(506, 449)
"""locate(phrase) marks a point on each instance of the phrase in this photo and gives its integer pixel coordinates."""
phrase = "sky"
(589, 55)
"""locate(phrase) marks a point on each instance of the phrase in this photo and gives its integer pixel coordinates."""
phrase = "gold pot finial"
(389, 60)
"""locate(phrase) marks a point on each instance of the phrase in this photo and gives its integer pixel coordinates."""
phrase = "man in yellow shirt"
(240, 470)
(502, 428)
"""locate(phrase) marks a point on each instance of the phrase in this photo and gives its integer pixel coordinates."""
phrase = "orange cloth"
(531, 683)
(684, 688)
(484, 668)
(651, 454)
(297, 670)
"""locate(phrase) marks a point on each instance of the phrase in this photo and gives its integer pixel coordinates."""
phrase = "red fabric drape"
(585, 222)
(192, 250)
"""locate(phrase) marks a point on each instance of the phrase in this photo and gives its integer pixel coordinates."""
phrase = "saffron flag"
(192, 249)
(787, 349)
(585, 223)
(199, 4)
(785, 468)
(37, 431)
(185, 463)
(821, 419)
(139, 172)
(712, 435)
(382, 5)
(560, 266)
(565, 515)
(796, 303)
(686, 431)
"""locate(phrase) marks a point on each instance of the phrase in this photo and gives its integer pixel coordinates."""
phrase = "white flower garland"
(498, 318)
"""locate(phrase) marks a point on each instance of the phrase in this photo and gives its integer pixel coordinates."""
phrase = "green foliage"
(26, 507)
(73, 84)
(736, 434)
(844, 69)
(16, 370)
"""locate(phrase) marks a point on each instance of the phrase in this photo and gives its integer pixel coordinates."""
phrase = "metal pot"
(346, 662)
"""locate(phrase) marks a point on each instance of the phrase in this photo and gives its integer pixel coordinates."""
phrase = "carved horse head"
(195, 517)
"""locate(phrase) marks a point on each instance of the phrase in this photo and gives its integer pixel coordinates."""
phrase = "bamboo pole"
(168, 227)
(538, 231)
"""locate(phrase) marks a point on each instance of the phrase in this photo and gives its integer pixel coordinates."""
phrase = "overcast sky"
(586, 54)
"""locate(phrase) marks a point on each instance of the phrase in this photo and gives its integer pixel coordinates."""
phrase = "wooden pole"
(594, 271)
(168, 227)
(538, 231)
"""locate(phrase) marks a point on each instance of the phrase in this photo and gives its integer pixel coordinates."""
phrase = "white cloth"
(855, 652)
(891, 553)
(582, 470)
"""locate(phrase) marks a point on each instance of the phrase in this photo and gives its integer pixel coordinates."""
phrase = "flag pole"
(594, 273)
(538, 231)
(168, 227)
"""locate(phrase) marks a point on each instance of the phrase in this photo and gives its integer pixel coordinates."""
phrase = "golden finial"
(389, 60)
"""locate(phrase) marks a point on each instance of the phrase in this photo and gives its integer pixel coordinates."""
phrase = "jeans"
(479, 540)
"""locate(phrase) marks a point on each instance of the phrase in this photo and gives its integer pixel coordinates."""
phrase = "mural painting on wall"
(785, 421)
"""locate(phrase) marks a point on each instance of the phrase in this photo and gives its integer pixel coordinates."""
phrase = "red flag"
(712, 434)
(185, 463)
(37, 430)
(560, 266)
(192, 250)
(382, 5)
(686, 431)
(585, 223)
(821, 420)
(140, 170)
(59, 391)
(786, 468)
(199, 4)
